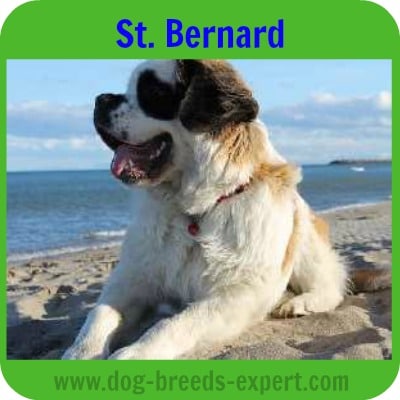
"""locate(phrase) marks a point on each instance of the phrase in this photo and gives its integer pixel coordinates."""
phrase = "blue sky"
(316, 110)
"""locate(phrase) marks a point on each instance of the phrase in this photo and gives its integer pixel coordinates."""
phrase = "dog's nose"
(104, 104)
(109, 101)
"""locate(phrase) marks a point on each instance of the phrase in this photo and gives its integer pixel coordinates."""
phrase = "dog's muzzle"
(104, 104)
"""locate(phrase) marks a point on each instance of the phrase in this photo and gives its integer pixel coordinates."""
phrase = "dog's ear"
(214, 96)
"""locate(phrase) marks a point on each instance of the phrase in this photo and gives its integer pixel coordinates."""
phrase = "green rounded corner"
(15, 14)
(390, 381)
(383, 11)
(3, 371)
(33, 387)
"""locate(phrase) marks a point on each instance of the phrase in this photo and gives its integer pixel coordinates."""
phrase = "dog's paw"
(297, 306)
(307, 303)
(83, 352)
(127, 353)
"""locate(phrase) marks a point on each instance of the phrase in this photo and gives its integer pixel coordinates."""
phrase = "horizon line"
(328, 163)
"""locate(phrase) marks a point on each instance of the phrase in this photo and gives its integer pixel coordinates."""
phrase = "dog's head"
(170, 109)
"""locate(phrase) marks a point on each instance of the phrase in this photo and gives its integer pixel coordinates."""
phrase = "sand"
(48, 300)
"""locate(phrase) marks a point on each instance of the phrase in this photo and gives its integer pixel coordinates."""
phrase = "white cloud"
(34, 105)
(16, 142)
(47, 108)
(78, 143)
(88, 143)
(42, 118)
(384, 100)
(51, 144)
(326, 126)
(322, 146)
(324, 98)
(327, 111)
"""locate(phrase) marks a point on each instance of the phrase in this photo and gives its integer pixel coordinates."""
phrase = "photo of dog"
(222, 232)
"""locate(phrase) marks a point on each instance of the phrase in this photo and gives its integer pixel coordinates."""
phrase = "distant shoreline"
(359, 161)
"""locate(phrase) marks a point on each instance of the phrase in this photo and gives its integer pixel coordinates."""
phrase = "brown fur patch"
(241, 145)
(279, 177)
(292, 244)
(215, 96)
(321, 227)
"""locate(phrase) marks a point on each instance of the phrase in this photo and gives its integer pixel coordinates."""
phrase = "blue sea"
(50, 213)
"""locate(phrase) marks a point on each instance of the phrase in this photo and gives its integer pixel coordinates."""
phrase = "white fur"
(230, 275)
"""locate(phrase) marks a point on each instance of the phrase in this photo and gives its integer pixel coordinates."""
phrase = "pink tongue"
(125, 161)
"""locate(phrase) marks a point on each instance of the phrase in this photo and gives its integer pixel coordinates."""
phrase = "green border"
(313, 29)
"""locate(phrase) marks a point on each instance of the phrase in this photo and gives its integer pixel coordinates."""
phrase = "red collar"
(193, 227)
(238, 190)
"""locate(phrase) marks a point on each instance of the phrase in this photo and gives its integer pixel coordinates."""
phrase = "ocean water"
(56, 212)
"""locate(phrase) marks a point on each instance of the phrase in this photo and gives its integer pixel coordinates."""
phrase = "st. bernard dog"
(222, 228)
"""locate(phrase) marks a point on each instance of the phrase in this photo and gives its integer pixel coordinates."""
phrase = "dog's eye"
(151, 88)
(156, 98)
(158, 92)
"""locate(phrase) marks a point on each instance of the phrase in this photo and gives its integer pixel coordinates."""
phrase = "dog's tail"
(370, 280)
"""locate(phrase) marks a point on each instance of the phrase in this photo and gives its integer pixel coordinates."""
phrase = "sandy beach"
(48, 300)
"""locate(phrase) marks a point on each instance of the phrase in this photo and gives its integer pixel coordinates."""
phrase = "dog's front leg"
(210, 320)
(122, 298)
(95, 335)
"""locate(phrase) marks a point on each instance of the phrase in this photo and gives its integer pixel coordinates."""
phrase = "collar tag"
(193, 228)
